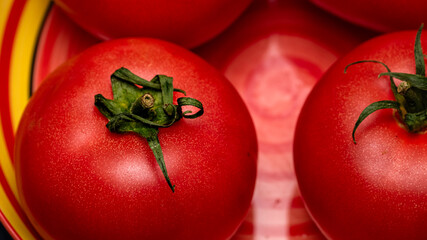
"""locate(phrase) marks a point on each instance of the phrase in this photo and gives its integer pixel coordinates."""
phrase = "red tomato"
(380, 15)
(188, 23)
(77, 180)
(377, 188)
(273, 61)
(265, 52)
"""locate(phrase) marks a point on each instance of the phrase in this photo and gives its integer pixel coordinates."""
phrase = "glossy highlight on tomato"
(377, 188)
(77, 180)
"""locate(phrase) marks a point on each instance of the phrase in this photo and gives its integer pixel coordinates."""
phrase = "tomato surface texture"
(188, 23)
(380, 15)
(377, 188)
(77, 180)
(273, 61)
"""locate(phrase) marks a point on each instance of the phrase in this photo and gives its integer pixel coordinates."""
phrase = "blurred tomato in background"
(274, 54)
(188, 23)
(380, 15)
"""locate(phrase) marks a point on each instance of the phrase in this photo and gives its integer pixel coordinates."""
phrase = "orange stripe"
(17, 49)
(11, 21)
(22, 56)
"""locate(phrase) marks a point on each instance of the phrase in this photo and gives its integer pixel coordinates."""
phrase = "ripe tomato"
(77, 180)
(377, 188)
(188, 23)
(380, 15)
(273, 61)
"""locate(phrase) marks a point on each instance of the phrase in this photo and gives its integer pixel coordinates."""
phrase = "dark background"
(4, 235)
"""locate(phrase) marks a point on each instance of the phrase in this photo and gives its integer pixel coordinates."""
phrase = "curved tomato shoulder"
(374, 189)
(274, 61)
(380, 15)
(77, 180)
(188, 23)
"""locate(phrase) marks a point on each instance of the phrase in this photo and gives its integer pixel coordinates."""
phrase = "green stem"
(154, 144)
(144, 109)
(410, 99)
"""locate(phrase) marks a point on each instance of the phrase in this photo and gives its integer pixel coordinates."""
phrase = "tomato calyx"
(410, 96)
(142, 107)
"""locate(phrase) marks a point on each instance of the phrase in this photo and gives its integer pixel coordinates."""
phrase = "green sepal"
(392, 84)
(372, 108)
(126, 75)
(418, 53)
(414, 80)
(154, 144)
(167, 94)
(142, 107)
(411, 96)
(416, 121)
(187, 101)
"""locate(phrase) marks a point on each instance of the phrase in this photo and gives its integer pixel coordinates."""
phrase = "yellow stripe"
(5, 206)
(21, 62)
(22, 56)
(5, 6)
(13, 218)
(5, 163)
(6, 166)
(20, 74)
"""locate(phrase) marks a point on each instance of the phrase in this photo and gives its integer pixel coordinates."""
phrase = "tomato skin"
(188, 23)
(265, 52)
(380, 15)
(375, 189)
(77, 180)
(273, 61)
(266, 19)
